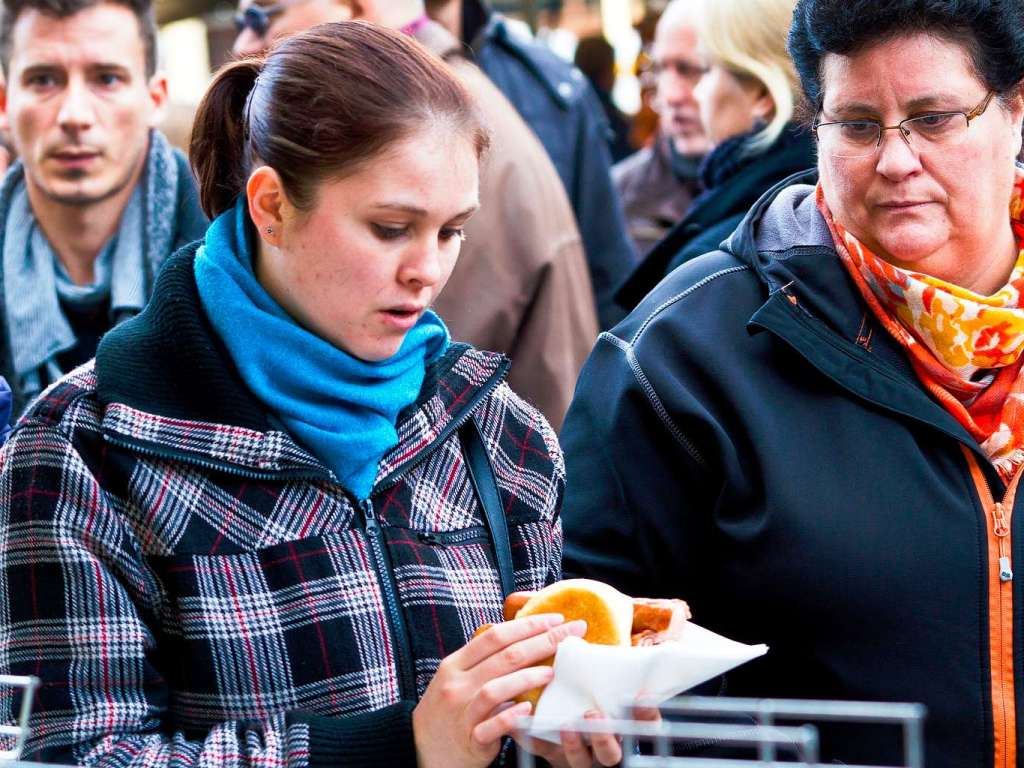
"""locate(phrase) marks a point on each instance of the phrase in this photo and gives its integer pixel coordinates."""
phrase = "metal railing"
(768, 744)
(28, 686)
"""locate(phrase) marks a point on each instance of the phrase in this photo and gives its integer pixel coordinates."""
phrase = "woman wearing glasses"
(262, 528)
(747, 95)
(816, 433)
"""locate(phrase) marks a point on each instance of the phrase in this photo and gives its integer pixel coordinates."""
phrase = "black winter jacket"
(733, 180)
(195, 588)
(751, 440)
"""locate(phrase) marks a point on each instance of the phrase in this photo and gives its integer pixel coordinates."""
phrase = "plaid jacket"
(193, 587)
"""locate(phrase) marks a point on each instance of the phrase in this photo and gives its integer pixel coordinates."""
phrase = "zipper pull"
(1000, 528)
(371, 519)
(1005, 571)
(428, 538)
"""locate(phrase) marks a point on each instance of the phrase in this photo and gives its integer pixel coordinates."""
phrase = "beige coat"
(521, 285)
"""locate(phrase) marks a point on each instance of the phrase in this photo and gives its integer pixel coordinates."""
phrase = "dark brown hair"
(318, 106)
(63, 9)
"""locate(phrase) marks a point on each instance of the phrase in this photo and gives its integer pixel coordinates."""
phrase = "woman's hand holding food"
(465, 711)
(574, 752)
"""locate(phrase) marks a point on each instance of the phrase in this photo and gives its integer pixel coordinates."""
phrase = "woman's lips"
(402, 318)
(903, 205)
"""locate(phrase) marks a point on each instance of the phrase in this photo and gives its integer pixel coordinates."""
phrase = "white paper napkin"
(609, 678)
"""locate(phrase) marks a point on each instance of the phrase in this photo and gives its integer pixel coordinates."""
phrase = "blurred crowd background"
(609, 40)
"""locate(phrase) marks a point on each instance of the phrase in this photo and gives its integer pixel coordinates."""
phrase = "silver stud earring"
(270, 230)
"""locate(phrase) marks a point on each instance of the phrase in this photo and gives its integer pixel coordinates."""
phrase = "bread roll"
(612, 617)
(608, 613)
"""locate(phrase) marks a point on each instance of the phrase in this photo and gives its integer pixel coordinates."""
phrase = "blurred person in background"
(98, 199)
(815, 434)
(659, 183)
(595, 58)
(521, 285)
(552, 32)
(557, 102)
(747, 97)
(259, 527)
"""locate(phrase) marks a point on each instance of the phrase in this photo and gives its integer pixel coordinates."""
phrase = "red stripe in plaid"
(184, 615)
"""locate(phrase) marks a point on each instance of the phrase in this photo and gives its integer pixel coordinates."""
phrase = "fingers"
(500, 636)
(646, 714)
(501, 724)
(604, 748)
(577, 754)
(495, 692)
(528, 652)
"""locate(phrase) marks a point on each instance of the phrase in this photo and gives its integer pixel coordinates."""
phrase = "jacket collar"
(814, 307)
(167, 386)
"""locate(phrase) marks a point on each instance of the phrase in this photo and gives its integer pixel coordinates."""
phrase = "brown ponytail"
(319, 105)
(218, 148)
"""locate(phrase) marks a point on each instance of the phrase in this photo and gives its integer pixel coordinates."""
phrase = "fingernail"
(554, 619)
(592, 714)
(577, 627)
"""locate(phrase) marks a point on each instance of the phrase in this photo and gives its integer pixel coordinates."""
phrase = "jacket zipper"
(484, 391)
(377, 547)
(453, 538)
(378, 554)
(998, 516)
(393, 611)
(219, 466)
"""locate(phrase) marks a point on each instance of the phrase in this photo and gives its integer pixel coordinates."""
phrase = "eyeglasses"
(688, 71)
(862, 138)
(258, 17)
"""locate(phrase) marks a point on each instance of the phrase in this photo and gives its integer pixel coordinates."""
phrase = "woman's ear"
(1017, 116)
(763, 106)
(264, 193)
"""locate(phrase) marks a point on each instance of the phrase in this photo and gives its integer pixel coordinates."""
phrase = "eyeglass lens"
(863, 138)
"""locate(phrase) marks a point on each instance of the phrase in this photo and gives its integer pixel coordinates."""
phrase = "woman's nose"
(422, 264)
(897, 157)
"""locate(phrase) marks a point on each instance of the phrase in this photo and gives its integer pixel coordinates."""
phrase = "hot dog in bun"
(612, 617)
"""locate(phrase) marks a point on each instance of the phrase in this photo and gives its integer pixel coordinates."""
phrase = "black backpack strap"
(481, 474)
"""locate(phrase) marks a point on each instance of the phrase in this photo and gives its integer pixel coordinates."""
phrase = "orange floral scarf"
(966, 348)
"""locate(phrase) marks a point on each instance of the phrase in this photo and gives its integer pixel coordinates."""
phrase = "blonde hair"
(749, 38)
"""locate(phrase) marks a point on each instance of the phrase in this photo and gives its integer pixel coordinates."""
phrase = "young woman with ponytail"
(263, 526)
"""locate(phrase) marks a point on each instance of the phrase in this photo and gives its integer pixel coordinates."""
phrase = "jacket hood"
(785, 240)
(813, 305)
(166, 383)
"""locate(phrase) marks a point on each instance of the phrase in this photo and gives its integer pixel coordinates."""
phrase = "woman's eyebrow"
(921, 102)
(417, 211)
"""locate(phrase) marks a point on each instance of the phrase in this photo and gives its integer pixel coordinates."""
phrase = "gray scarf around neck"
(35, 282)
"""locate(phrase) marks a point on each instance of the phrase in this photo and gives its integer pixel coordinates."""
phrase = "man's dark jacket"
(558, 103)
(751, 440)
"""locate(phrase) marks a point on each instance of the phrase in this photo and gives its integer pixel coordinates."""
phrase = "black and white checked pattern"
(180, 615)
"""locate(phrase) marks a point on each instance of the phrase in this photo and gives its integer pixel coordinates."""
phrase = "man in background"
(520, 285)
(98, 199)
(557, 102)
(595, 58)
(658, 183)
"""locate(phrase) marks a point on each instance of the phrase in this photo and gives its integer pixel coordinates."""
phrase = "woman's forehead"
(903, 69)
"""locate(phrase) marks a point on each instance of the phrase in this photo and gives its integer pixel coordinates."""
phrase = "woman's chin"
(910, 247)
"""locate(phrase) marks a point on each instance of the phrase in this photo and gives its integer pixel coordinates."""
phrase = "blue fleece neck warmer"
(340, 408)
